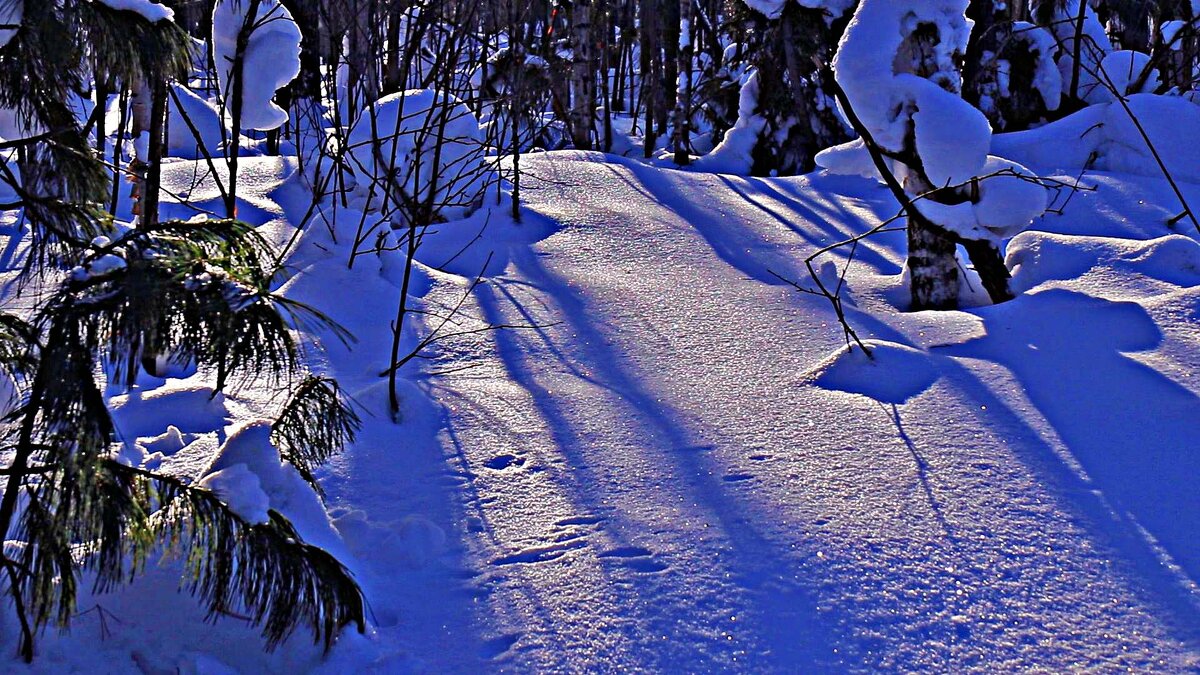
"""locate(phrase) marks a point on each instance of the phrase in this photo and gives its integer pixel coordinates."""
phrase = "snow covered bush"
(898, 66)
(1010, 73)
(785, 115)
(269, 59)
(418, 156)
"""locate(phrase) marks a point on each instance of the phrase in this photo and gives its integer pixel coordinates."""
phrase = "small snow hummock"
(393, 146)
(272, 58)
(893, 373)
(151, 11)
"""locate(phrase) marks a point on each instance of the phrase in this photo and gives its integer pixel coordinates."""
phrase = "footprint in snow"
(635, 557)
(579, 520)
(539, 554)
(502, 462)
(498, 646)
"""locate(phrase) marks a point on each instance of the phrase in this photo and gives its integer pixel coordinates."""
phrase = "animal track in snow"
(635, 557)
(579, 520)
(539, 554)
(502, 462)
(498, 646)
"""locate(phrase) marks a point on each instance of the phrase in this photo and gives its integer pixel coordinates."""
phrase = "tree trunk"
(650, 66)
(932, 267)
(583, 85)
(683, 97)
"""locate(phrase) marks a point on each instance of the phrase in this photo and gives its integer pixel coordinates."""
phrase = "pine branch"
(315, 424)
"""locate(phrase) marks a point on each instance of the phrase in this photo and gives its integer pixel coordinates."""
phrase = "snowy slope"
(672, 464)
(659, 478)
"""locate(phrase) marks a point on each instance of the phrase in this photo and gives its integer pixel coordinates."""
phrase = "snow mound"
(1104, 137)
(394, 150)
(893, 373)
(249, 450)
(1036, 258)
(241, 490)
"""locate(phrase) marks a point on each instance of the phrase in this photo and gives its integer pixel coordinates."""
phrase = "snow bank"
(272, 58)
(1104, 137)
(1037, 258)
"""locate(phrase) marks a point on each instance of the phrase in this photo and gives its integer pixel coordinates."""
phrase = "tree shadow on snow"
(1133, 430)
(781, 620)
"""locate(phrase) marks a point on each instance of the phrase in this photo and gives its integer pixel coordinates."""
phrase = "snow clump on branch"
(908, 99)
(271, 60)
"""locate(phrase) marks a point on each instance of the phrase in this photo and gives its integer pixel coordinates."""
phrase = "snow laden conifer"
(71, 509)
(898, 72)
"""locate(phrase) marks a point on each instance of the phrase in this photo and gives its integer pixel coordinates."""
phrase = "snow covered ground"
(671, 463)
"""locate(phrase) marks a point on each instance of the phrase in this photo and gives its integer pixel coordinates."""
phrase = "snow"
(151, 11)
(1046, 80)
(392, 150)
(272, 58)
(672, 460)
(241, 491)
(733, 154)
(1094, 46)
(185, 107)
(1123, 68)
(893, 373)
(1104, 137)
(951, 136)
(1170, 30)
(684, 446)
(11, 14)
